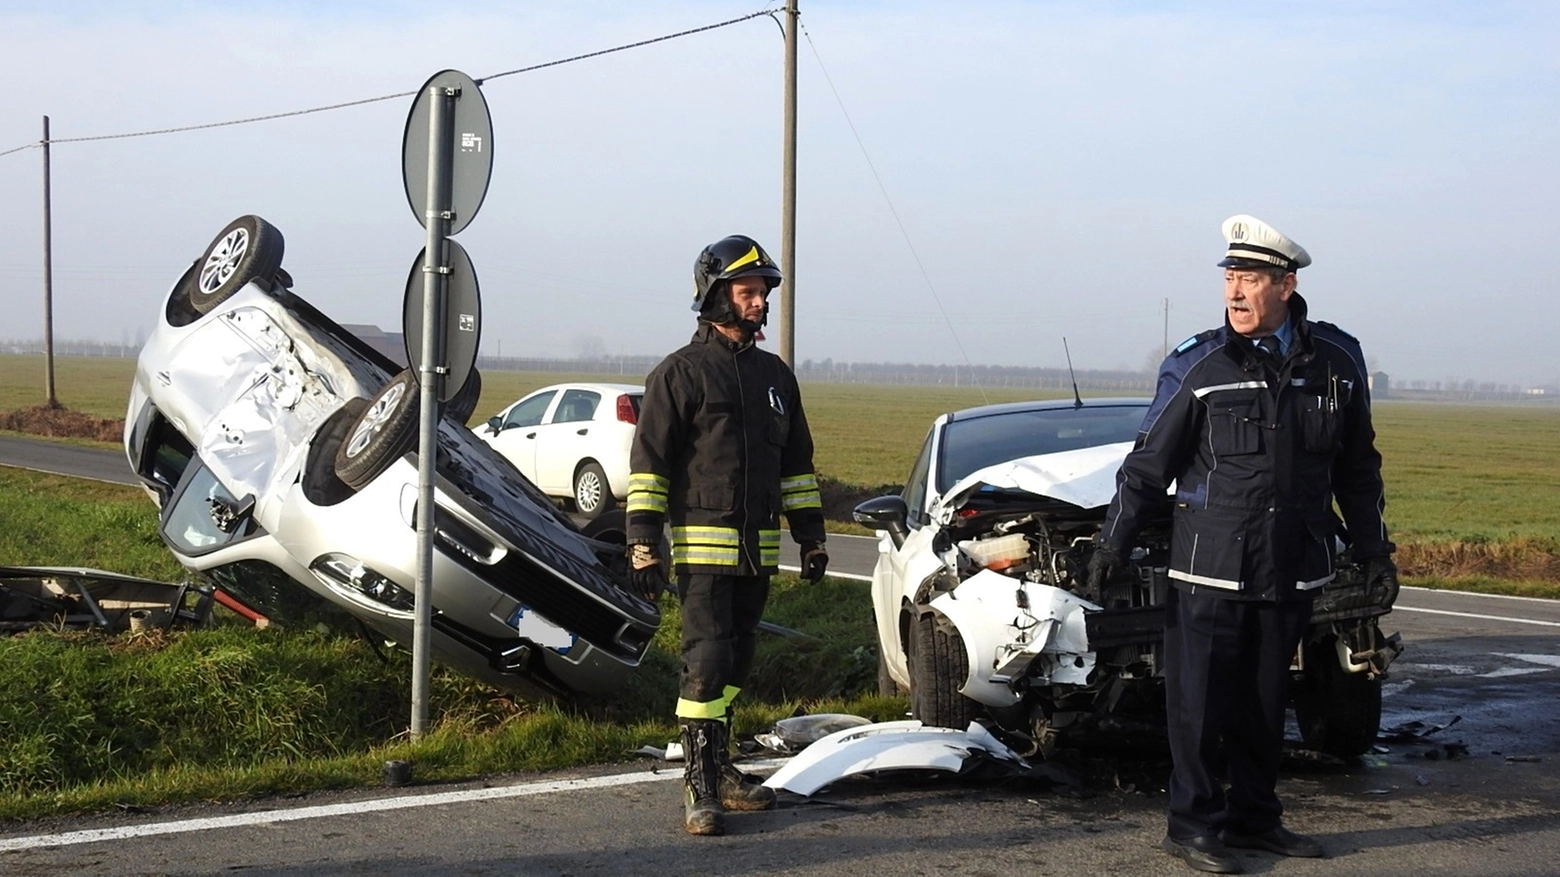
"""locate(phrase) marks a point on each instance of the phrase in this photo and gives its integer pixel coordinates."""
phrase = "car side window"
(204, 516)
(915, 486)
(529, 412)
(576, 405)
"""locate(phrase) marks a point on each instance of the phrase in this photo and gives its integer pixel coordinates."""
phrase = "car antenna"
(1077, 399)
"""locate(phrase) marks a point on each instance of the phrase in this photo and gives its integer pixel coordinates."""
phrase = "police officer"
(1261, 424)
(721, 450)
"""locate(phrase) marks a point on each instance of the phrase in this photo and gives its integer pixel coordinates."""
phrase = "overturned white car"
(982, 605)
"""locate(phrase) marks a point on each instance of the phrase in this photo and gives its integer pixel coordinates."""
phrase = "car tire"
(1339, 713)
(463, 403)
(321, 485)
(592, 492)
(611, 528)
(248, 248)
(938, 666)
(382, 434)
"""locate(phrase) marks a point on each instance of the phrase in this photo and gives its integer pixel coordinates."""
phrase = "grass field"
(1473, 473)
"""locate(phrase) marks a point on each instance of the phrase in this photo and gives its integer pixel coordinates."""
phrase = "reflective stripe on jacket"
(721, 450)
(1258, 454)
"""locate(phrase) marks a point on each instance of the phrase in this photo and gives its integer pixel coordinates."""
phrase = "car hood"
(1085, 477)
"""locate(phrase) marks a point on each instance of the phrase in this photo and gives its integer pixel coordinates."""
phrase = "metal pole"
(441, 125)
(788, 194)
(48, 276)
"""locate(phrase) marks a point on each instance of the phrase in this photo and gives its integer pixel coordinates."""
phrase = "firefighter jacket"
(720, 451)
(1258, 450)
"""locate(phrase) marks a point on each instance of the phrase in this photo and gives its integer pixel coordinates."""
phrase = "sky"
(976, 181)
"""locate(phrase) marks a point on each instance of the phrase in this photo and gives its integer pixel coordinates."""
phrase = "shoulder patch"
(1195, 340)
(1333, 327)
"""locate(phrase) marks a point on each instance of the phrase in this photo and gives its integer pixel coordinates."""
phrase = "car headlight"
(345, 571)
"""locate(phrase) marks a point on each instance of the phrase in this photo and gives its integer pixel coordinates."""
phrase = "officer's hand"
(1104, 565)
(645, 572)
(1380, 570)
(814, 561)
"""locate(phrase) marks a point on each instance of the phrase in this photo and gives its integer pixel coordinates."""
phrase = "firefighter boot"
(702, 812)
(738, 791)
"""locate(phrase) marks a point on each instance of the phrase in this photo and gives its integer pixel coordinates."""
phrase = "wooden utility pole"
(48, 277)
(788, 194)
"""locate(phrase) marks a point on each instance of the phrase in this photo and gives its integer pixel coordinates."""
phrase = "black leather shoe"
(1204, 853)
(1277, 840)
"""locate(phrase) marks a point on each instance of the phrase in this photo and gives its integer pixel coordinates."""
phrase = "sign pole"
(431, 377)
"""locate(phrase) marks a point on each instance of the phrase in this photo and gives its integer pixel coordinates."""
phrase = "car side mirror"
(494, 425)
(887, 513)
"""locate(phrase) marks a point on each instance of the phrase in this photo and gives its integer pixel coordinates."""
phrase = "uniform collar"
(707, 334)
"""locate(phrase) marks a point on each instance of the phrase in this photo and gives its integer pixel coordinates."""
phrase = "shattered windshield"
(968, 445)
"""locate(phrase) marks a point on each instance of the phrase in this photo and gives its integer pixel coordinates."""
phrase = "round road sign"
(471, 148)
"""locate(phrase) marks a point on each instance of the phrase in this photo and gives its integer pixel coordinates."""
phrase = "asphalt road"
(1481, 795)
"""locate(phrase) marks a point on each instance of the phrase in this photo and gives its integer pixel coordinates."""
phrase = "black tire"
(463, 403)
(938, 666)
(1339, 713)
(247, 249)
(592, 492)
(382, 434)
(321, 485)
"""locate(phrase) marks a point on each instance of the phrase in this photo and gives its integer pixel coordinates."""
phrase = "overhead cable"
(386, 97)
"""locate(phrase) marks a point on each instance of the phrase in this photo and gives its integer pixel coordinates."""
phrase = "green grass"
(51, 520)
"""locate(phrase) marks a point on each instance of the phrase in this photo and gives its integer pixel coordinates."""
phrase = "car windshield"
(968, 445)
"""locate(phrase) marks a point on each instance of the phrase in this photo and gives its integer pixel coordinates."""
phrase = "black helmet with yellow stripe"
(734, 256)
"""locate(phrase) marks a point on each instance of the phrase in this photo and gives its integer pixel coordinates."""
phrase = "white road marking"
(1511, 671)
(402, 802)
(1477, 615)
(1546, 660)
(1454, 669)
(1547, 600)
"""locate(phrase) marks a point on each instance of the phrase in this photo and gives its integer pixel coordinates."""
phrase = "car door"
(564, 439)
(517, 433)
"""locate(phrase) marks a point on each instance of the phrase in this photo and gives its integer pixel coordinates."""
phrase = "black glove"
(814, 561)
(1105, 564)
(1380, 570)
(645, 572)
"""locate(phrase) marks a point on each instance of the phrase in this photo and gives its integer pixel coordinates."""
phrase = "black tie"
(1269, 347)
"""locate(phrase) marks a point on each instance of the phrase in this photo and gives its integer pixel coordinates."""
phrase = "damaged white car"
(982, 605)
(281, 450)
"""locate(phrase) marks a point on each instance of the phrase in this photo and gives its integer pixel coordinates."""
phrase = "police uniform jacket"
(1258, 451)
(720, 451)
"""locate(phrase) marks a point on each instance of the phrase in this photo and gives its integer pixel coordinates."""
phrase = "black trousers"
(720, 616)
(1226, 684)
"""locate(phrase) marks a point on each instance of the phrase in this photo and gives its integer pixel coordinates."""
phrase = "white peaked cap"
(1255, 244)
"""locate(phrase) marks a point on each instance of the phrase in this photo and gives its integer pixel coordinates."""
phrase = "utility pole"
(48, 277)
(788, 194)
(1165, 352)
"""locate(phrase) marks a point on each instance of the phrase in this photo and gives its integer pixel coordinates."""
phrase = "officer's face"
(1256, 304)
(748, 295)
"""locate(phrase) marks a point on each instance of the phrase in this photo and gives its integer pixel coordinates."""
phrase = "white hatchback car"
(572, 441)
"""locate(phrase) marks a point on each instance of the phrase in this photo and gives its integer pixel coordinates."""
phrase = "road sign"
(462, 318)
(471, 152)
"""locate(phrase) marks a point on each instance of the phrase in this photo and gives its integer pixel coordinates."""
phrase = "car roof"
(1044, 405)
(604, 389)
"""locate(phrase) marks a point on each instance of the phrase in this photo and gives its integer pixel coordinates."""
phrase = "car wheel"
(1339, 713)
(592, 493)
(382, 434)
(321, 485)
(248, 248)
(938, 666)
(463, 403)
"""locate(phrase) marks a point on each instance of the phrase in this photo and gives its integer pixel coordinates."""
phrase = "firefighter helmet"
(734, 256)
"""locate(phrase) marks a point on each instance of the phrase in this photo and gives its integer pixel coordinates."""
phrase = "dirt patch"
(63, 423)
(840, 498)
(1516, 559)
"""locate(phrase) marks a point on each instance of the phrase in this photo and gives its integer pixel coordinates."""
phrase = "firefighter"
(720, 451)
(1261, 424)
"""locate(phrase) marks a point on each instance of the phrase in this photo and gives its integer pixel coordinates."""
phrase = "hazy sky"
(1060, 168)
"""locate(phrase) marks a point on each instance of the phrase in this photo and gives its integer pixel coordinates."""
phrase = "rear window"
(968, 445)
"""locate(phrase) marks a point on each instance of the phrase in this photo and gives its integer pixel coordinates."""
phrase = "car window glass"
(576, 405)
(530, 411)
(188, 524)
(968, 445)
(915, 487)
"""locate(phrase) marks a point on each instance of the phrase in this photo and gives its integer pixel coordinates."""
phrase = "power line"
(403, 94)
(890, 202)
